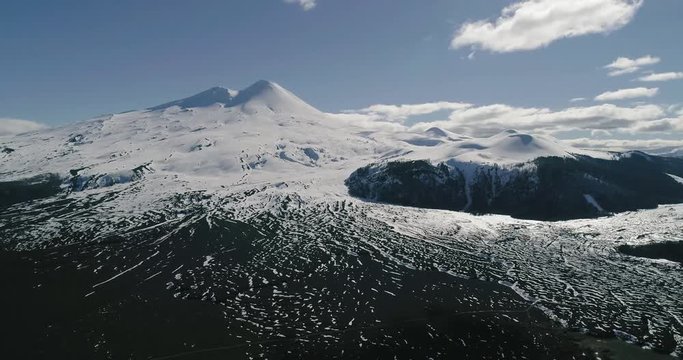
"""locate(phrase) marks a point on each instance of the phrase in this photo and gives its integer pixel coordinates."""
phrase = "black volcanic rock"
(670, 250)
(413, 183)
(552, 188)
(37, 187)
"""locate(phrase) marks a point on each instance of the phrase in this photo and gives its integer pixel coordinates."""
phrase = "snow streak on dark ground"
(574, 271)
(262, 275)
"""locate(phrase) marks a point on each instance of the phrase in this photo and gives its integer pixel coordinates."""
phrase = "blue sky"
(71, 60)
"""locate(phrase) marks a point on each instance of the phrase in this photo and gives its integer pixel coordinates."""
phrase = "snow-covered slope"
(263, 133)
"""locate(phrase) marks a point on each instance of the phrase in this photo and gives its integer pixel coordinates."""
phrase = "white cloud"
(613, 127)
(399, 113)
(17, 126)
(601, 133)
(305, 4)
(368, 121)
(624, 65)
(532, 24)
(654, 146)
(663, 125)
(578, 99)
(491, 119)
(627, 94)
(662, 76)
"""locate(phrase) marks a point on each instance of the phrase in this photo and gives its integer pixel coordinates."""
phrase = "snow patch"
(677, 178)
(207, 261)
(591, 200)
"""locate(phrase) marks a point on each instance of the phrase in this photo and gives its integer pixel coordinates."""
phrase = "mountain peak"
(259, 89)
(263, 84)
(262, 95)
(214, 95)
(216, 89)
(436, 132)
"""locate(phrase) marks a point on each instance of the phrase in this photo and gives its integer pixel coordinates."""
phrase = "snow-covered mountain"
(264, 134)
(213, 139)
(507, 147)
(226, 216)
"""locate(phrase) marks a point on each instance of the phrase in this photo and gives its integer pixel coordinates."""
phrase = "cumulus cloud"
(491, 119)
(488, 120)
(652, 146)
(10, 127)
(663, 125)
(624, 65)
(612, 127)
(662, 76)
(305, 4)
(367, 121)
(532, 24)
(622, 94)
(399, 113)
